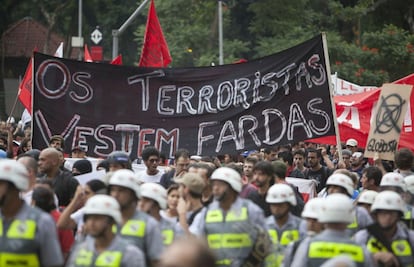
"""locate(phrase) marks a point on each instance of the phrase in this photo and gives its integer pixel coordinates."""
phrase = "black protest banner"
(279, 99)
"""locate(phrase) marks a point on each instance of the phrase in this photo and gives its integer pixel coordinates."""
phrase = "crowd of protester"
(222, 210)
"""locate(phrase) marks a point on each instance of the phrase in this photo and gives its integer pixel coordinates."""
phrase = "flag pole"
(220, 31)
(15, 100)
(328, 74)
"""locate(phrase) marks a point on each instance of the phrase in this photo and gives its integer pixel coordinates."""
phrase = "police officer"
(230, 224)
(312, 225)
(341, 183)
(366, 198)
(137, 226)
(101, 213)
(153, 200)
(336, 212)
(282, 225)
(394, 181)
(27, 234)
(390, 243)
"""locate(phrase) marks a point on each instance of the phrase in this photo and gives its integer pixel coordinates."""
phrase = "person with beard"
(104, 248)
(315, 170)
(27, 239)
(230, 223)
(137, 227)
(282, 225)
(390, 243)
(264, 177)
(153, 200)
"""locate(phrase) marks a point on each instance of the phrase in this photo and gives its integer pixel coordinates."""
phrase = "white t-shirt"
(145, 178)
(77, 216)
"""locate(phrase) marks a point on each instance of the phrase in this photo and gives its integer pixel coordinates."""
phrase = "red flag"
(25, 88)
(155, 51)
(117, 60)
(87, 56)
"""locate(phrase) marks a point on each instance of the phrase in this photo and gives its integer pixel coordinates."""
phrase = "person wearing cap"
(57, 141)
(342, 184)
(366, 198)
(390, 243)
(153, 200)
(81, 166)
(137, 227)
(282, 225)
(230, 224)
(352, 145)
(118, 160)
(190, 201)
(26, 236)
(312, 225)
(336, 212)
(105, 248)
(78, 152)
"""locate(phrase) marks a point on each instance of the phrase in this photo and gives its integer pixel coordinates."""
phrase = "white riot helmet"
(312, 208)
(155, 192)
(103, 205)
(281, 193)
(337, 208)
(393, 179)
(343, 181)
(409, 182)
(388, 200)
(126, 178)
(14, 172)
(229, 176)
(367, 197)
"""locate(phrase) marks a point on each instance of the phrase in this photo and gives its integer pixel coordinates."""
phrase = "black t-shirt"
(64, 186)
(320, 176)
(260, 200)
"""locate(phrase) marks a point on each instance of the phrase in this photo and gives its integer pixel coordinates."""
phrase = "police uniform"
(282, 236)
(230, 235)
(402, 244)
(29, 239)
(329, 244)
(144, 232)
(361, 220)
(168, 231)
(119, 253)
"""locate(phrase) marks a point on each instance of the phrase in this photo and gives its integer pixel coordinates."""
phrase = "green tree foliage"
(370, 41)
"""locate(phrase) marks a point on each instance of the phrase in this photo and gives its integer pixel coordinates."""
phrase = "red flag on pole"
(87, 56)
(155, 51)
(117, 60)
(25, 88)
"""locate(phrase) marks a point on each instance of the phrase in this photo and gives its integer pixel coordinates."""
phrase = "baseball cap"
(351, 142)
(193, 181)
